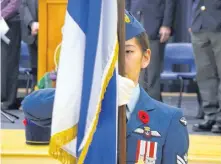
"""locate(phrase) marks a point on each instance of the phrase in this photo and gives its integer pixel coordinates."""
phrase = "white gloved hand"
(125, 90)
(3, 27)
(3, 30)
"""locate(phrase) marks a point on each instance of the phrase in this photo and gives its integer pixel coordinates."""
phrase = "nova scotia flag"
(84, 123)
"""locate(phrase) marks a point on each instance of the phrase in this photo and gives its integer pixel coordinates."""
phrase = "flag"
(84, 122)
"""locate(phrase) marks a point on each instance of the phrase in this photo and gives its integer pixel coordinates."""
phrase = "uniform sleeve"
(169, 13)
(177, 141)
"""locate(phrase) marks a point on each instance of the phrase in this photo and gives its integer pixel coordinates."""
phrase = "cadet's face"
(135, 59)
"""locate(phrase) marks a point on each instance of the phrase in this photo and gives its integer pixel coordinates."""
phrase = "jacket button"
(203, 8)
(138, 13)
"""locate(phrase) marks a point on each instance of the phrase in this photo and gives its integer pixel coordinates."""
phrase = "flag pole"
(121, 62)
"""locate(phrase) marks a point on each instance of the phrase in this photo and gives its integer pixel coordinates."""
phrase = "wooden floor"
(205, 147)
(15, 151)
(203, 150)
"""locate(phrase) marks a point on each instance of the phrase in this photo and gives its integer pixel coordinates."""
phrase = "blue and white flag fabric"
(84, 122)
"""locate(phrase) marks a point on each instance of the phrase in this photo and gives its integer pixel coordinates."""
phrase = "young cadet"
(156, 132)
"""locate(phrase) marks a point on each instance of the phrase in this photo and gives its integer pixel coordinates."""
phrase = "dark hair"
(143, 40)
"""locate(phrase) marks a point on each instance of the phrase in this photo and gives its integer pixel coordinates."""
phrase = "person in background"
(206, 40)
(157, 16)
(10, 54)
(30, 27)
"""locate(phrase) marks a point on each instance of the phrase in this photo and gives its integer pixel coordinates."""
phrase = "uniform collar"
(146, 103)
(134, 99)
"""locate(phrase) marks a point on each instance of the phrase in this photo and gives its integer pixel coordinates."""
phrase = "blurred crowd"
(157, 17)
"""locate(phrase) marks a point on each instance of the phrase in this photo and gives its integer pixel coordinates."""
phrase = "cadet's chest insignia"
(183, 121)
(180, 160)
(146, 152)
(146, 131)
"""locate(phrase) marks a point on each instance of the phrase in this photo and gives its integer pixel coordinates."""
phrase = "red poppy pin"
(25, 122)
(143, 116)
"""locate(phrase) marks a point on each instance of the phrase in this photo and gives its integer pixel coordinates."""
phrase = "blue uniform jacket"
(163, 140)
(206, 15)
